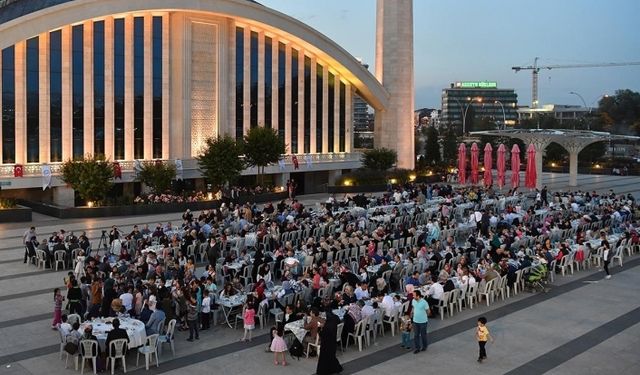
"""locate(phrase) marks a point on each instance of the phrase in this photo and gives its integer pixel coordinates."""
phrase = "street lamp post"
(464, 112)
(585, 105)
(504, 116)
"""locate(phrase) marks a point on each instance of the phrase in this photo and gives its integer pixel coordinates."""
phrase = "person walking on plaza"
(420, 309)
(607, 254)
(57, 308)
(482, 335)
(192, 319)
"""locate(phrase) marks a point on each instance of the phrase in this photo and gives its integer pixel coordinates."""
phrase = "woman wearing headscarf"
(327, 361)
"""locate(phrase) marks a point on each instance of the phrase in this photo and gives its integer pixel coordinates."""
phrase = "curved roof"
(23, 21)
(564, 137)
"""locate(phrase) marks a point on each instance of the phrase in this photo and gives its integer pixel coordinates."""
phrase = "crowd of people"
(232, 193)
(346, 260)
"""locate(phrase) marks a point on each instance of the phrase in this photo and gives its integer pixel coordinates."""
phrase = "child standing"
(57, 308)
(278, 346)
(405, 328)
(249, 318)
(482, 335)
(206, 311)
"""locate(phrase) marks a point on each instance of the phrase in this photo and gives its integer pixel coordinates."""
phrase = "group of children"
(482, 335)
(278, 345)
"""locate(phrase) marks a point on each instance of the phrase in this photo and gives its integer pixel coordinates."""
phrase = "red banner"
(295, 162)
(18, 170)
(117, 170)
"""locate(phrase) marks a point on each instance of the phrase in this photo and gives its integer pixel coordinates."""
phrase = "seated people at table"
(75, 333)
(264, 273)
(434, 295)
(362, 291)
(228, 291)
(384, 266)
(396, 272)
(381, 288)
(127, 300)
(116, 333)
(64, 327)
(88, 335)
(348, 295)
(313, 326)
(30, 249)
(425, 278)
(414, 279)
(368, 310)
(351, 318)
(156, 317)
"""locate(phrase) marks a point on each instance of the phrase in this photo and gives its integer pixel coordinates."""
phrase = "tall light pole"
(504, 116)
(464, 111)
(583, 103)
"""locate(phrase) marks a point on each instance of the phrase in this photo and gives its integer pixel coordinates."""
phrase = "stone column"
(274, 83)
(336, 115)
(128, 88)
(313, 99)
(1, 160)
(261, 74)
(20, 71)
(109, 109)
(394, 69)
(348, 131)
(287, 100)
(88, 110)
(573, 167)
(44, 131)
(148, 87)
(230, 127)
(67, 109)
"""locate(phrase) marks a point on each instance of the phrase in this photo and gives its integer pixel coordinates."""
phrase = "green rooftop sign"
(477, 84)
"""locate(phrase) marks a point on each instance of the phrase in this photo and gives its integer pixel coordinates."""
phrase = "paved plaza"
(583, 324)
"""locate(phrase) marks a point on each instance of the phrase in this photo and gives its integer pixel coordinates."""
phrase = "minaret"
(394, 69)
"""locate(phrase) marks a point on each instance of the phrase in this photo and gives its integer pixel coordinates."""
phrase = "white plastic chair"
(392, 321)
(358, 333)
(443, 304)
(168, 338)
(60, 257)
(117, 350)
(75, 356)
(41, 259)
(617, 254)
(487, 291)
(149, 350)
(339, 336)
(87, 350)
(454, 301)
(472, 295)
(315, 344)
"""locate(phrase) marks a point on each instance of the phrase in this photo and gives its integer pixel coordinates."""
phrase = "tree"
(432, 148)
(157, 176)
(91, 177)
(221, 162)
(450, 146)
(593, 152)
(262, 147)
(379, 159)
(621, 112)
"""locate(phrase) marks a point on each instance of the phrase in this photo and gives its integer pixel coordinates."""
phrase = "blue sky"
(482, 39)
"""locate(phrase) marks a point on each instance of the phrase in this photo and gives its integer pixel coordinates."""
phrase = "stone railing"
(35, 170)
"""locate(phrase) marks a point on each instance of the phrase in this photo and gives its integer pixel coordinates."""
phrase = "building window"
(138, 87)
(98, 88)
(268, 86)
(157, 86)
(118, 89)
(55, 95)
(33, 100)
(253, 97)
(331, 110)
(307, 104)
(319, 106)
(294, 101)
(282, 73)
(77, 69)
(239, 82)
(8, 106)
(343, 117)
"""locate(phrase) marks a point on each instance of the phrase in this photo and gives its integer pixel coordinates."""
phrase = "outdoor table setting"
(297, 328)
(374, 268)
(229, 304)
(135, 329)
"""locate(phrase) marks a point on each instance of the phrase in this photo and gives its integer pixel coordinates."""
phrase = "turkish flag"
(117, 170)
(18, 170)
(295, 162)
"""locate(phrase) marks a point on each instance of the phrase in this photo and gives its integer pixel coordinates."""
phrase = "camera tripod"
(103, 244)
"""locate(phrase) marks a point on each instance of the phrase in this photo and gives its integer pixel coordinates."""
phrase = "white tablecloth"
(297, 328)
(135, 329)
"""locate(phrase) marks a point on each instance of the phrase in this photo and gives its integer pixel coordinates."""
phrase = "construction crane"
(535, 69)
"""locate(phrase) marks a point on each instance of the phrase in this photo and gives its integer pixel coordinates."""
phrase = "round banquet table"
(135, 329)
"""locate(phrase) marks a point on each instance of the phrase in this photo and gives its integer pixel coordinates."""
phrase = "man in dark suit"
(116, 333)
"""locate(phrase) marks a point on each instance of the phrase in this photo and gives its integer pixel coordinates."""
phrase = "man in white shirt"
(64, 327)
(367, 311)
(434, 294)
(127, 299)
(388, 305)
(362, 292)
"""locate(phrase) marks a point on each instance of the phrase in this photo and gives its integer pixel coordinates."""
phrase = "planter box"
(140, 209)
(15, 215)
